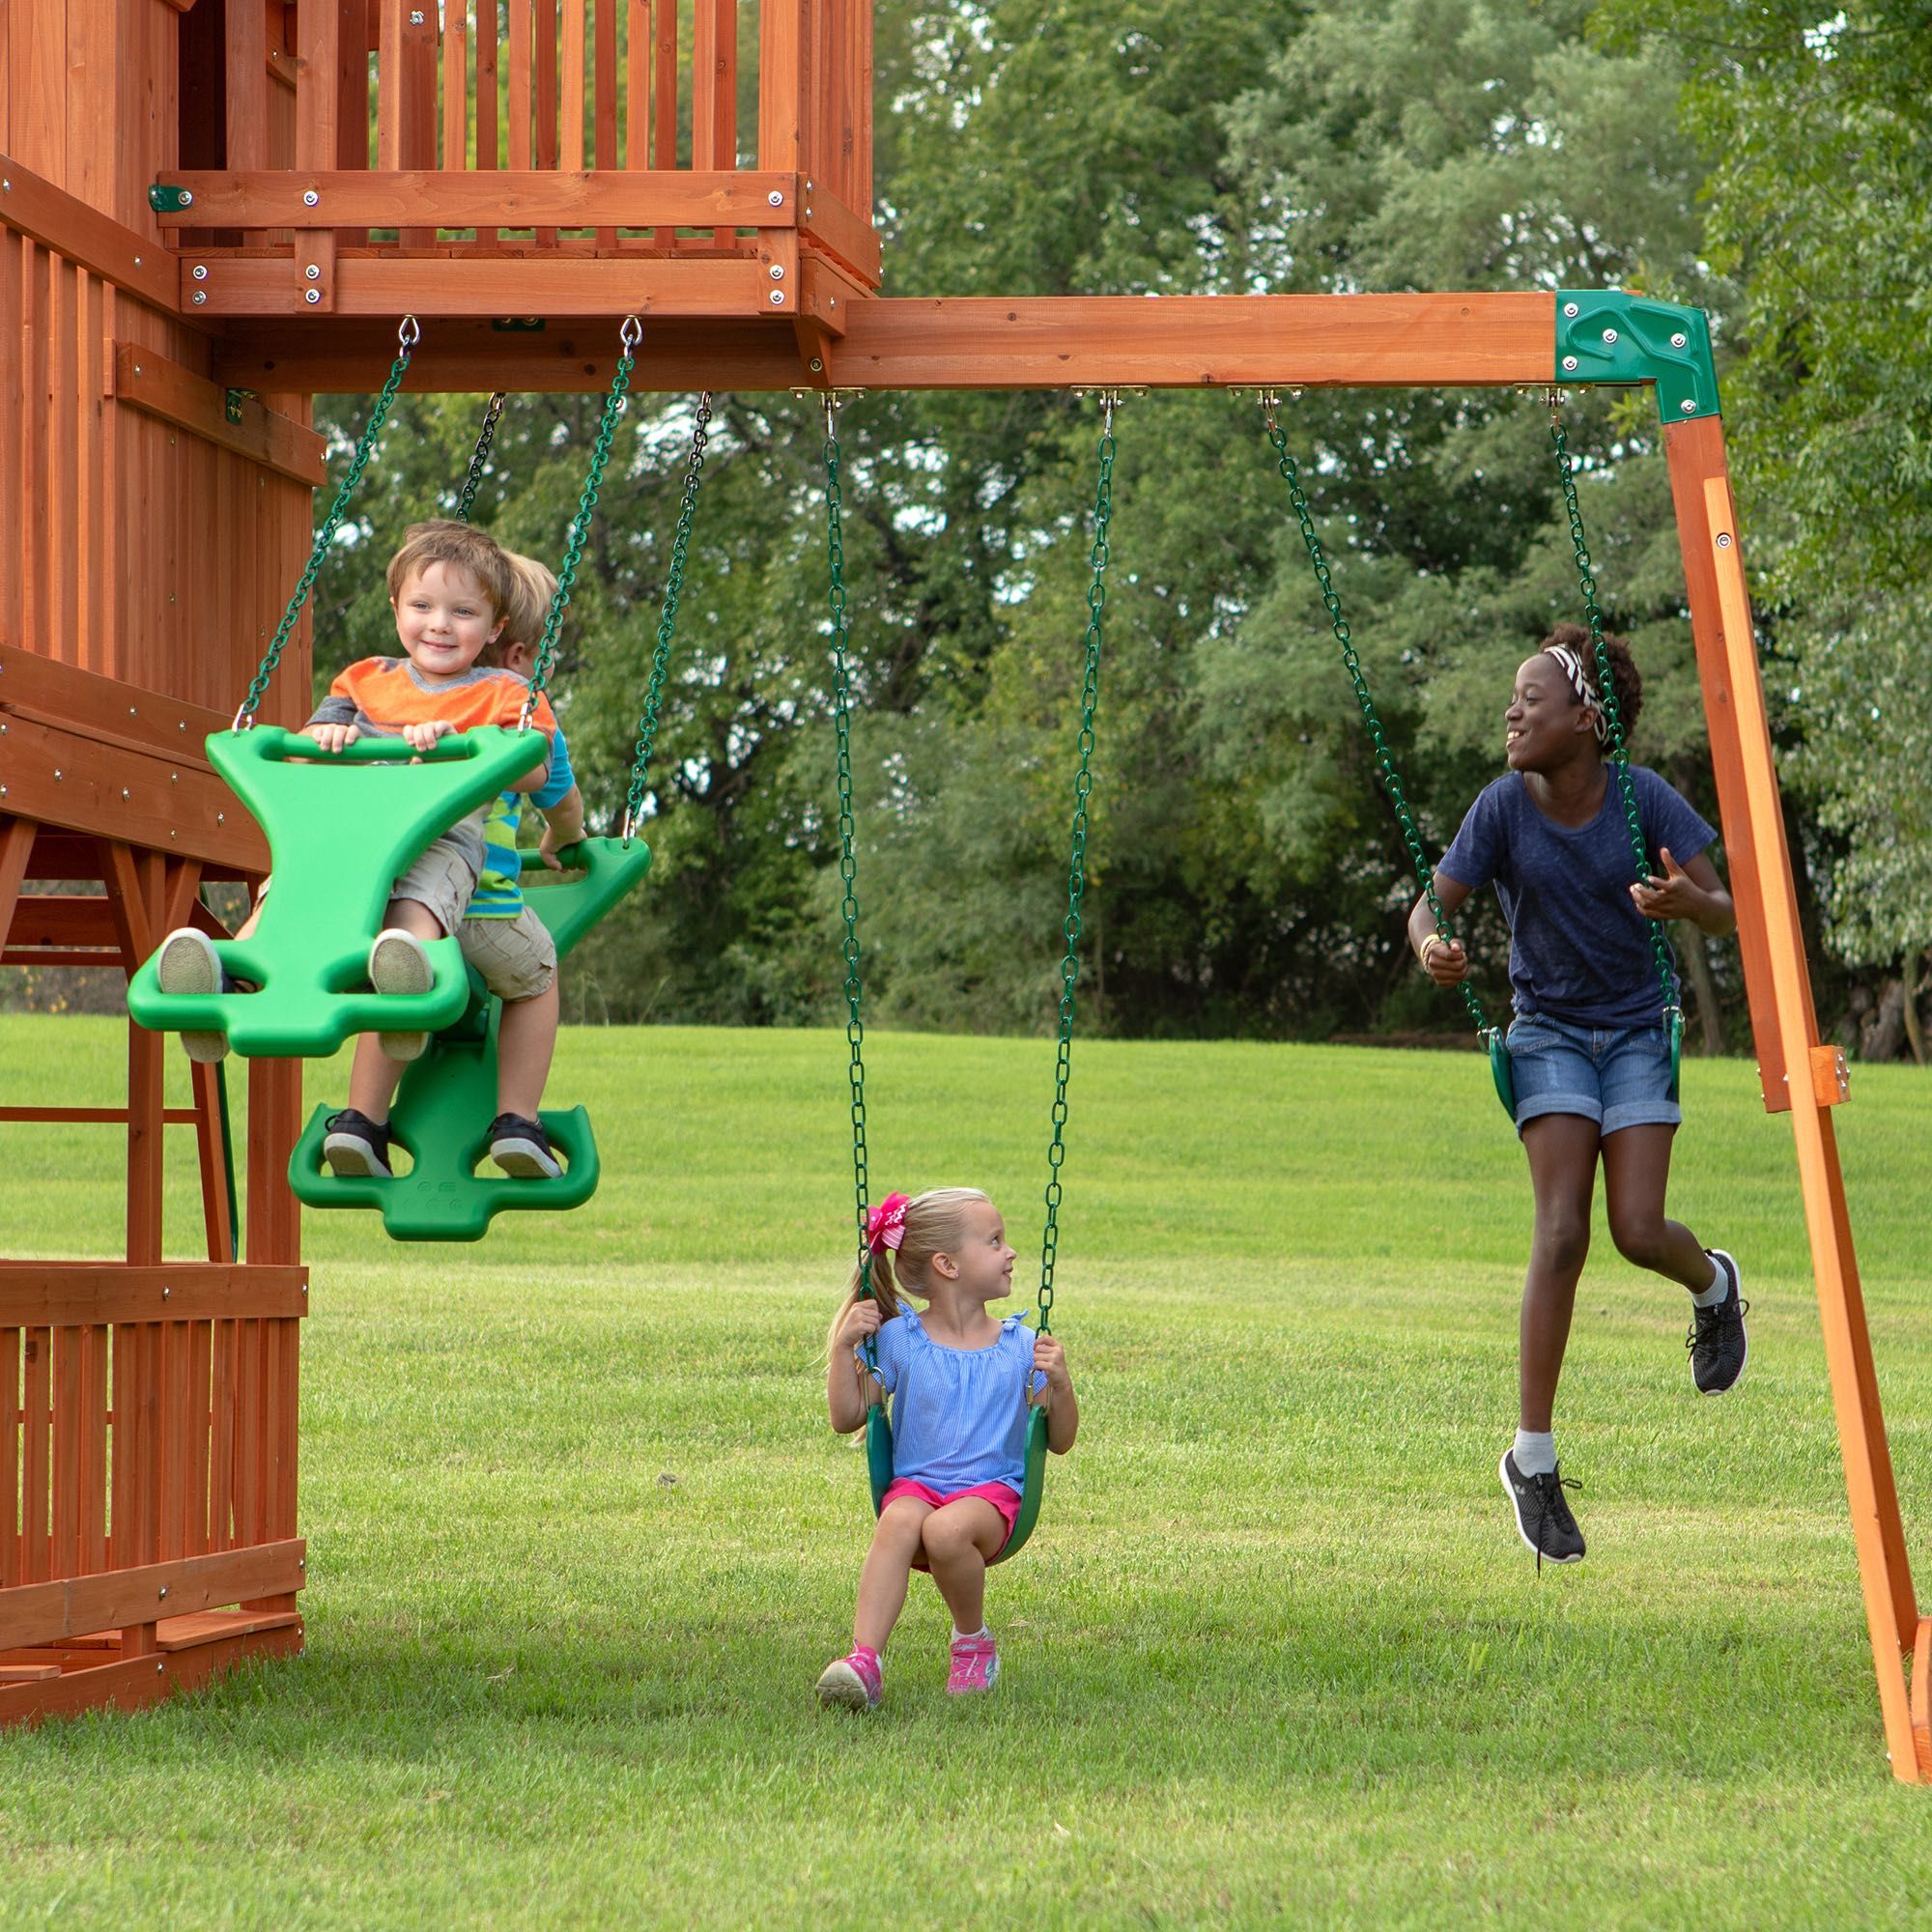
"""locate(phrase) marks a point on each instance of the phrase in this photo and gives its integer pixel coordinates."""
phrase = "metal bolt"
(3, 792)
(1680, 340)
(200, 271)
(57, 773)
(1689, 405)
(313, 273)
(776, 199)
(160, 1669)
(817, 367)
(221, 818)
(1724, 539)
(124, 791)
(778, 297)
(6, 186)
(311, 295)
(186, 198)
(309, 197)
(778, 271)
(137, 368)
(1568, 361)
(1570, 308)
(199, 297)
(138, 261)
(417, 16)
(1610, 335)
(164, 1593)
(165, 1293)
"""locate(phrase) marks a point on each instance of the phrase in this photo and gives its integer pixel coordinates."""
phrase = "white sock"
(960, 1636)
(1535, 1454)
(1718, 1289)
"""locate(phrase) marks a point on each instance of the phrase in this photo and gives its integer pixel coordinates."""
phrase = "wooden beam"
(147, 381)
(104, 708)
(502, 198)
(479, 286)
(101, 245)
(55, 1294)
(968, 343)
(848, 237)
(133, 1682)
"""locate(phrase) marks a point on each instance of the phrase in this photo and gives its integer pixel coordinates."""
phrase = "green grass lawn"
(581, 1541)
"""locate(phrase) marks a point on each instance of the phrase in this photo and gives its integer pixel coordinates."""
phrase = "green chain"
(408, 335)
(1352, 664)
(848, 861)
(587, 507)
(1613, 723)
(647, 724)
(478, 457)
(1076, 866)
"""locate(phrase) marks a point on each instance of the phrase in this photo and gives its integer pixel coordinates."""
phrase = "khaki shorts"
(442, 879)
(517, 958)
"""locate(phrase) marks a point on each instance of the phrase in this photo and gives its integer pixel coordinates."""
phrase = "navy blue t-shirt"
(1580, 949)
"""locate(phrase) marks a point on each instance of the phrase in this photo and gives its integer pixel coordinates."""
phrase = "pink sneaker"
(975, 1664)
(853, 1683)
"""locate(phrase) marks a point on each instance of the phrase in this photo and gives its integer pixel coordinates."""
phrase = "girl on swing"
(960, 1379)
(1588, 1047)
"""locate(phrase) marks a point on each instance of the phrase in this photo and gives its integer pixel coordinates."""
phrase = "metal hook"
(631, 332)
(831, 414)
(410, 333)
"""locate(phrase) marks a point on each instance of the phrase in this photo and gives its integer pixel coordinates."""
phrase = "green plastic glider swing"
(1490, 1034)
(452, 1088)
(878, 1423)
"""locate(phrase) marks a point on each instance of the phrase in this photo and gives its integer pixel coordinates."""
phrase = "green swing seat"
(879, 1466)
(339, 840)
(448, 1097)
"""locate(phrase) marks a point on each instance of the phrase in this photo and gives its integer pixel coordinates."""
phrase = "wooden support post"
(1779, 985)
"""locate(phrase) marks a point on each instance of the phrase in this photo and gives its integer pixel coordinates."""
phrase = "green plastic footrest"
(448, 1098)
(342, 830)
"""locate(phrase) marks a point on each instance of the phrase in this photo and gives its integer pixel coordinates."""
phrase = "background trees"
(1248, 870)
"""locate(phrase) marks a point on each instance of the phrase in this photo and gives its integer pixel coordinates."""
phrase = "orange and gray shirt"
(380, 696)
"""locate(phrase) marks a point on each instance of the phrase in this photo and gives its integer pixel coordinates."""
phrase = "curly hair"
(1625, 677)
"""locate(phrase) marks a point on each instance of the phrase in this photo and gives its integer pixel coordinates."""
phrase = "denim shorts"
(1617, 1076)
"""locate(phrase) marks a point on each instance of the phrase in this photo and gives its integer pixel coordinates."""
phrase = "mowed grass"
(580, 1539)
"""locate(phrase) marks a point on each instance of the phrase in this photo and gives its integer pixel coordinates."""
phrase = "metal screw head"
(1689, 405)
(309, 197)
(57, 773)
(311, 295)
(186, 198)
(1610, 335)
(1724, 539)
(313, 273)
(200, 296)
(776, 199)
(1570, 362)
(1569, 309)
(164, 1593)
(166, 1293)
(1680, 340)
(817, 367)
(124, 791)
(778, 297)
(418, 17)
(138, 261)
(778, 271)
(200, 272)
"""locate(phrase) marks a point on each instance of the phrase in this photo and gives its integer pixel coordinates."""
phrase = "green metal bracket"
(1609, 336)
(518, 325)
(164, 199)
(232, 401)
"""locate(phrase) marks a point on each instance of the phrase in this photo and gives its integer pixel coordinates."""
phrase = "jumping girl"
(1588, 1048)
(961, 1379)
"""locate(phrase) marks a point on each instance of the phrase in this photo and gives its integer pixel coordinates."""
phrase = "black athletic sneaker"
(1543, 1518)
(521, 1148)
(1717, 1339)
(356, 1146)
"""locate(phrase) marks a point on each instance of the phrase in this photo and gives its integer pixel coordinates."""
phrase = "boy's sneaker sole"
(350, 1158)
(397, 965)
(841, 1687)
(188, 963)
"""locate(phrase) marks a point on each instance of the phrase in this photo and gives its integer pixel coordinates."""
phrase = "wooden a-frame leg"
(1799, 1073)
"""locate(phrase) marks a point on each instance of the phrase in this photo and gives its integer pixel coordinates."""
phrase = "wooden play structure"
(212, 209)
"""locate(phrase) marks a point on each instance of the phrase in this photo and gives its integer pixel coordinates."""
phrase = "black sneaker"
(1543, 1518)
(521, 1148)
(1717, 1339)
(356, 1146)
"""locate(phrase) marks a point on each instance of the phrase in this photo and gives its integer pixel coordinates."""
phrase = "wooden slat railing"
(587, 94)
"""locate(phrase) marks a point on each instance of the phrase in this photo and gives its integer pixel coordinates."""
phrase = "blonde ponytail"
(934, 1225)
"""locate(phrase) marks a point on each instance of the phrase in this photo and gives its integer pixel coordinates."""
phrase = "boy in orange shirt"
(451, 588)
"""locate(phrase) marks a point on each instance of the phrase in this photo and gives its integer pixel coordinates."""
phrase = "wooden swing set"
(212, 209)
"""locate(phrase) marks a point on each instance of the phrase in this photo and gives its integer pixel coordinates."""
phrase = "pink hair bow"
(885, 1225)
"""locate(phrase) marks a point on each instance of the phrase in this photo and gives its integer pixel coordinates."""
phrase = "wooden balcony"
(531, 158)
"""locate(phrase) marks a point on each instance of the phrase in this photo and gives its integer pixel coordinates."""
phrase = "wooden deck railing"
(517, 130)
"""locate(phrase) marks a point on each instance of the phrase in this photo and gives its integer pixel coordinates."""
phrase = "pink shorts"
(997, 1495)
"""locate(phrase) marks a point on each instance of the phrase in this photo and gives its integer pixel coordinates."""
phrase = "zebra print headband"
(1582, 684)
